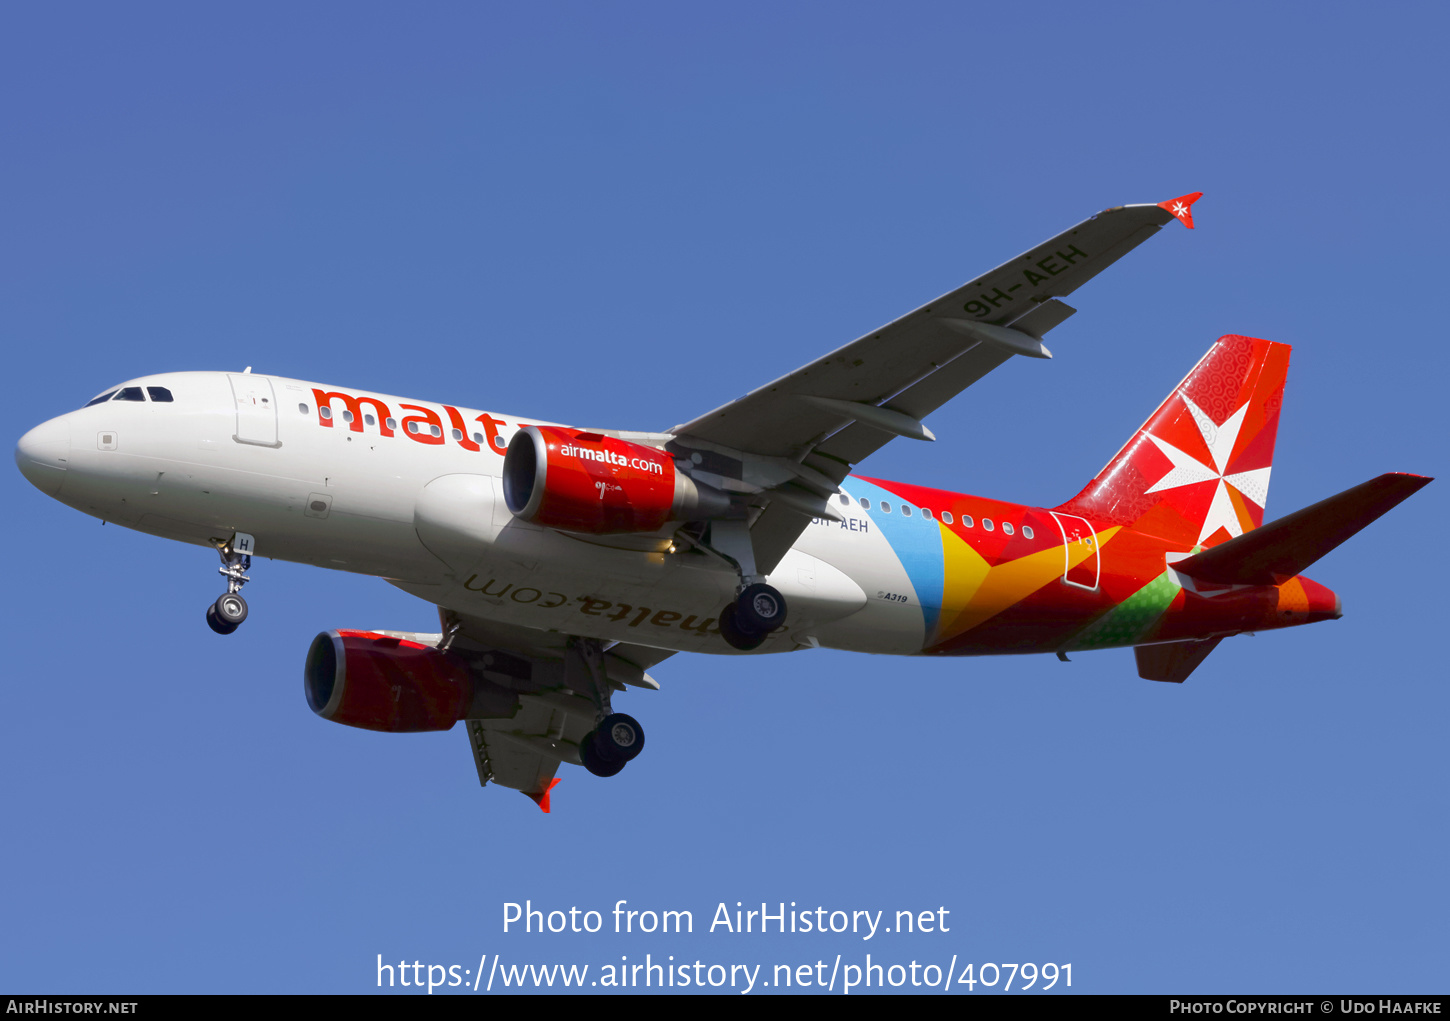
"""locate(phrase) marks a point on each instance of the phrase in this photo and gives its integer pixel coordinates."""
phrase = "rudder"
(1197, 472)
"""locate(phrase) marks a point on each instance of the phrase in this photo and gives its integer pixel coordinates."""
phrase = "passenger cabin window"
(130, 393)
(159, 394)
(370, 420)
(391, 423)
(302, 408)
(845, 500)
(347, 416)
(987, 524)
(946, 516)
(967, 521)
(101, 399)
(885, 507)
(325, 412)
(1027, 531)
(1007, 527)
(926, 512)
(905, 511)
(865, 503)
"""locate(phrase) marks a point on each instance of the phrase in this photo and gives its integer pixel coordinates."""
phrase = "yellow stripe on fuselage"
(974, 591)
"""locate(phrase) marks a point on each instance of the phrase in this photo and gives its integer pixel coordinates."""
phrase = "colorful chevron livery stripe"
(991, 576)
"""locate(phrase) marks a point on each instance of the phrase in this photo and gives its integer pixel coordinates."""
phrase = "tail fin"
(1197, 472)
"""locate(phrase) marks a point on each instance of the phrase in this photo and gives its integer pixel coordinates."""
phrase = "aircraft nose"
(43, 455)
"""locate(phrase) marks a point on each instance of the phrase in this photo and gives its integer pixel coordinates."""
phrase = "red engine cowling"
(588, 482)
(376, 682)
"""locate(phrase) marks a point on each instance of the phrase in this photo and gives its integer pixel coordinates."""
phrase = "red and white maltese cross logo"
(1187, 470)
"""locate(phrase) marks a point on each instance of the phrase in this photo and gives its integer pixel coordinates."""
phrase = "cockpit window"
(101, 399)
(129, 393)
(159, 394)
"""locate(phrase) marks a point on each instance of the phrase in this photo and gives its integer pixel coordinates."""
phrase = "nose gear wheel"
(216, 623)
(227, 613)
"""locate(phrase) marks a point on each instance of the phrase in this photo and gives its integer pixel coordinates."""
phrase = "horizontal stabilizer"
(1173, 661)
(1281, 549)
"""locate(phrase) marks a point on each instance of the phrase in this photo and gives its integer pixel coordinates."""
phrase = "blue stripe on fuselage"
(915, 540)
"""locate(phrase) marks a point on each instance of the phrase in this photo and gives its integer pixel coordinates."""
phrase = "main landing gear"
(226, 614)
(758, 608)
(616, 737)
(609, 747)
(757, 611)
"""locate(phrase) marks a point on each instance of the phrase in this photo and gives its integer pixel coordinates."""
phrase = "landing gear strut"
(758, 608)
(616, 737)
(226, 614)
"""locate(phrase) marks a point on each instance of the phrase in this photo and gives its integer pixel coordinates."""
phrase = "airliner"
(567, 562)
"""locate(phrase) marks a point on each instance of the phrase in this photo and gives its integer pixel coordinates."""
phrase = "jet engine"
(377, 682)
(588, 482)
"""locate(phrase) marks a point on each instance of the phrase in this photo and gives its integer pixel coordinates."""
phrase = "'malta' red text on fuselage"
(424, 426)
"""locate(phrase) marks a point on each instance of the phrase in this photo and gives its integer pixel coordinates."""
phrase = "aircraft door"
(256, 409)
(1078, 537)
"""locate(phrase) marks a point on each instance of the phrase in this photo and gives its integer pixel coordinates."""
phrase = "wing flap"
(514, 753)
(858, 440)
(546, 721)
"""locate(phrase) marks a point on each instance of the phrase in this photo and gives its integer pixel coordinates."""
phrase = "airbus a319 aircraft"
(567, 562)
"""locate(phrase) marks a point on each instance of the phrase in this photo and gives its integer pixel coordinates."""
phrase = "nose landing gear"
(226, 614)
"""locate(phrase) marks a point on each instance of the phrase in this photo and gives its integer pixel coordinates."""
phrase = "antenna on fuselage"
(247, 370)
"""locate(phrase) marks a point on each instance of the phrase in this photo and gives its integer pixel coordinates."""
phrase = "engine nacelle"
(588, 482)
(377, 682)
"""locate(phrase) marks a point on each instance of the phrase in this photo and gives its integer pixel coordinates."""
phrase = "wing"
(537, 708)
(820, 420)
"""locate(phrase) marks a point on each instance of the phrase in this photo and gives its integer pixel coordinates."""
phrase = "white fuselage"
(423, 508)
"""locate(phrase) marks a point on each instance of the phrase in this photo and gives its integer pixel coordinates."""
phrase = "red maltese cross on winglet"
(1180, 207)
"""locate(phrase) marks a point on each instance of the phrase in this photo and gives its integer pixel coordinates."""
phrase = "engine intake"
(588, 482)
(364, 679)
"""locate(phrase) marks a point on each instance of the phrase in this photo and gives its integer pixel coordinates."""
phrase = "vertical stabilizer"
(1197, 472)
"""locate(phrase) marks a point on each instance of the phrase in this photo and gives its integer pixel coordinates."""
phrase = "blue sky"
(625, 215)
